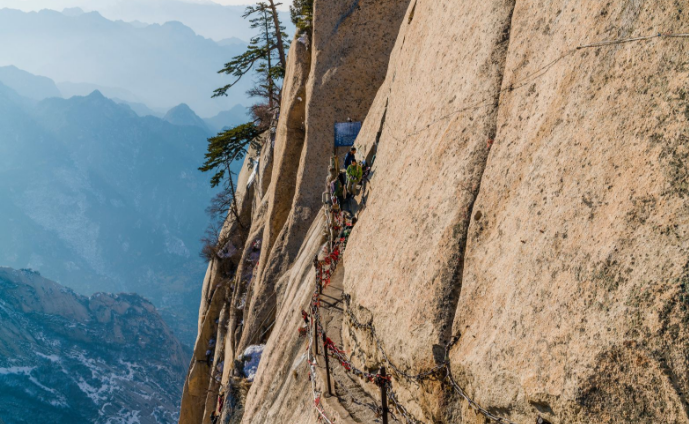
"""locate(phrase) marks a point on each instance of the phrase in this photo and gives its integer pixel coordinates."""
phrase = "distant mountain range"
(28, 85)
(227, 119)
(183, 115)
(160, 65)
(71, 89)
(38, 88)
(101, 199)
(206, 18)
(69, 359)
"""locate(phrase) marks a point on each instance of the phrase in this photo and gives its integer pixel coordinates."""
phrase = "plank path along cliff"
(519, 252)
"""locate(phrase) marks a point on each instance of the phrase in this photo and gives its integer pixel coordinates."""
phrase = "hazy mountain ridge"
(75, 359)
(228, 118)
(27, 84)
(102, 199)
(161, 64)
(183, 115)
(71, 89)
(209, 19)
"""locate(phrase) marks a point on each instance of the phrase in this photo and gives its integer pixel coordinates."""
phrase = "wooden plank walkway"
(350, 402)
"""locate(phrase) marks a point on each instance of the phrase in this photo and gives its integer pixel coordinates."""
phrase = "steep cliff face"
(527, 214)
(65, 358)
(576, 260)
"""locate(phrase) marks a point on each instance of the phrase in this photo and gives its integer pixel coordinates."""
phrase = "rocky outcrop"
(107, 358)
(526, 212)
(345, 72)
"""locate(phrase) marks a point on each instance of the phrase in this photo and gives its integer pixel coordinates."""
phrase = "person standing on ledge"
(351, 156)
(354, 174)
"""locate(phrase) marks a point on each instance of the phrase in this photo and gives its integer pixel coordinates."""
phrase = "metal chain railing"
(433, 373)
(312, 364)
(473, 404)
(392, 397)
(424, 375)
(324, 269)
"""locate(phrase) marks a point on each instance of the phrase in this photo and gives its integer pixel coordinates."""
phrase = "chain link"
(424, 375)
(473, 404)
(392, 397)
(312, 365)
(373, 407)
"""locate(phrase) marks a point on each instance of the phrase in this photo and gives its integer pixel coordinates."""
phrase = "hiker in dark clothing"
(351, 155)
(337, 190)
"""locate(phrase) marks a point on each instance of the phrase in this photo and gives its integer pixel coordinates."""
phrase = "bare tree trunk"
(270, 63)
(278, 34)
(233, 208)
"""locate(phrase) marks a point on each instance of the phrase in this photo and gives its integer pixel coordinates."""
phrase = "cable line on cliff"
(491, 96)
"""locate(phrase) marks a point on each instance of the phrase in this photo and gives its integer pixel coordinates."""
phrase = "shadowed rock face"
(527, 197)
(65, 358)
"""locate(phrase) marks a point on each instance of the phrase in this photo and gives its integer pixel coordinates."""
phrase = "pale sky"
(206, 21)
(231, 2)
(285, 3)
(61, 4)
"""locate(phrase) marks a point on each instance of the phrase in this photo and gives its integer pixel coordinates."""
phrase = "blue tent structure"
(346, 133)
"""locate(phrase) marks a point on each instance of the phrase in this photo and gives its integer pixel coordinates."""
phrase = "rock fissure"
(491, 129)
(347, 14)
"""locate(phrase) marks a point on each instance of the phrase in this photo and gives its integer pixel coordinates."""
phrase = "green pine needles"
(266, 51)
(227, 147)
(265, 61)
(301, 13)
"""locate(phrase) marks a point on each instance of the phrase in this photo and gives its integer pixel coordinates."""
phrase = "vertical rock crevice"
(430, 161)
(552, 320)
(499, 59)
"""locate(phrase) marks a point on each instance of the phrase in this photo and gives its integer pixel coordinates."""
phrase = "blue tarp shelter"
(346, 132)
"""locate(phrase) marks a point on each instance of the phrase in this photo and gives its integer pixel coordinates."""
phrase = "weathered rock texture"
(577, 255)
(527, 196)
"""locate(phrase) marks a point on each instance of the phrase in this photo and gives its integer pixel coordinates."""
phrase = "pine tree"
(265, 55)
(223, 150)
(226, 148)
(301, 13)
(266, 52)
